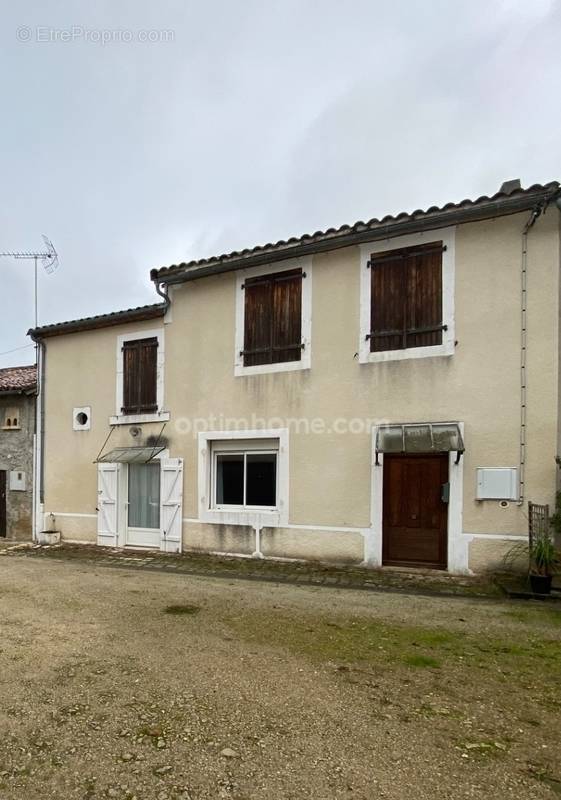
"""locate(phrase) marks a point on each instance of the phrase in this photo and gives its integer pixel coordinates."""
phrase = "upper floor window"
(273, 318)
(140, 366)
(140, 371)
(407, 297)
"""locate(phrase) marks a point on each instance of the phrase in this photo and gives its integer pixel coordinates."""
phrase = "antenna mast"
(48, 257)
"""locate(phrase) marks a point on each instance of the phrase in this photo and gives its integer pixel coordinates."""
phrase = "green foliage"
(556, 517)
(541, 555)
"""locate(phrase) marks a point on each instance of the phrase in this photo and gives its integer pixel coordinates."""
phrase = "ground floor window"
(144, 496)
(244, 474)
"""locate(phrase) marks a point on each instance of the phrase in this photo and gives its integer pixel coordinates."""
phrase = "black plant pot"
(541, 584)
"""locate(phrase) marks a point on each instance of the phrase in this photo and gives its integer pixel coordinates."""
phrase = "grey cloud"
(259, 121)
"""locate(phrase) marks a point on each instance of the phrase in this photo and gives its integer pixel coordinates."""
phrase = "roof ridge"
(21, 366)
(83, 323)
(374, 222)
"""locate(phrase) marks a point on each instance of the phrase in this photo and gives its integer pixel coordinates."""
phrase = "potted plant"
(543, 560)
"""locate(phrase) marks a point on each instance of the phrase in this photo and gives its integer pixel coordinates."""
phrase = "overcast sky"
(246, 121)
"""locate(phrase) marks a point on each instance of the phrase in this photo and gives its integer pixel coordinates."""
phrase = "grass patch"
(421, 661)
(538, 617)
(182, 609)
(521, 657)
(485, 748)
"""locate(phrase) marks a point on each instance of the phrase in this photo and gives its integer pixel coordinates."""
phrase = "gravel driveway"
(124, 684)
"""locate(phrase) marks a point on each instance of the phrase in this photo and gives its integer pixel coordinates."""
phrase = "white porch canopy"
(425, 437)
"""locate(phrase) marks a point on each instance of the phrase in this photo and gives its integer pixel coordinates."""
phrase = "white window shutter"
(171, 512)
(107, 508)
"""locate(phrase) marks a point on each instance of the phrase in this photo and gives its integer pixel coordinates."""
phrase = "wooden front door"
(3, 503)
(415, 529)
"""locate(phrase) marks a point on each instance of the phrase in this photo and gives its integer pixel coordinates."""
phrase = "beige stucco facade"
(329, 410)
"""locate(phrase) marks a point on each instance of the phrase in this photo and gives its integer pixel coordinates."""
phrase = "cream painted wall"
(330, 474)
(80, 371)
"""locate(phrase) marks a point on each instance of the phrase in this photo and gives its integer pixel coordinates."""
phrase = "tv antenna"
(48, 257)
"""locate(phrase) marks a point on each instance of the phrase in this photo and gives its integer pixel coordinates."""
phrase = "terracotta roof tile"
(18, 379)
(100, 321)
(496, 204)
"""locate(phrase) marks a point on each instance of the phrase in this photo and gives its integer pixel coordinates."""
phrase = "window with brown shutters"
(140, 370)
(273, 318)
(406, 298)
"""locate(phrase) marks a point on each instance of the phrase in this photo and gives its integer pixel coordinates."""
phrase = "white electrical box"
(497, 483)
(17, 481)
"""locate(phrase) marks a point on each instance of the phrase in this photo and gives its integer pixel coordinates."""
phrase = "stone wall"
(16, 455)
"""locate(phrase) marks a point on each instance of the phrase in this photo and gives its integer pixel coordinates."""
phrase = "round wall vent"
(81, 418)
(135, 431)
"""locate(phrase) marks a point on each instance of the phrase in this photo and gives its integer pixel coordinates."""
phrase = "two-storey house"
(385, 393)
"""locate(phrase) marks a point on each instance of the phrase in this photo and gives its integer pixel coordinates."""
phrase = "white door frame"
(155, 532)
(123, 502)
(457, 545)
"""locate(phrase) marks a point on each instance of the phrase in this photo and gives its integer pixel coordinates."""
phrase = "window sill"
(11, 427)
(137, 419)
(241, 517)
(446, 349)
(264, 369)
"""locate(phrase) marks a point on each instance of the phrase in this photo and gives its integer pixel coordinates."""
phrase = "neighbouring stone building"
(18, 388)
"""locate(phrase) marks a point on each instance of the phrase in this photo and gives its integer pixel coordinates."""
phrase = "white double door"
(140, 505)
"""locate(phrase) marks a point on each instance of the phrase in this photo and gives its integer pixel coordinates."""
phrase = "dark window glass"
(229, 479)
(261, 489)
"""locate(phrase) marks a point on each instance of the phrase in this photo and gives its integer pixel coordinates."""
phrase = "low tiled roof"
(503, 202)
(100, 321)
(18, 379)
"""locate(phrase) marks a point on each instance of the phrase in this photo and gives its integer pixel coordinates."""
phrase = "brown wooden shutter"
(424, 295)
(406, 298)
(273, 319)
(387, 302)
(287, 317)
(130, 377)
(258, 314)
(140, 371)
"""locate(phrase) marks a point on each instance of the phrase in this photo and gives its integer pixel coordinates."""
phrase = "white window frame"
(158, 416)
(246, 441)
(305, 362)
(448, 237)
(244, 449)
